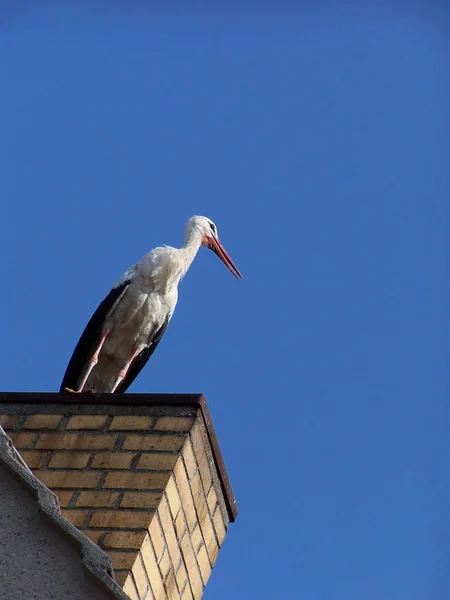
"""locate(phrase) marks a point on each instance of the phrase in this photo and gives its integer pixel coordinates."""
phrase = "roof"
(94, 560)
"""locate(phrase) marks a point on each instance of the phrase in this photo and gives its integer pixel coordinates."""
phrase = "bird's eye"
(213, 227)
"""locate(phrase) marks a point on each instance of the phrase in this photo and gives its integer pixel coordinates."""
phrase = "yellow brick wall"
(142, 487)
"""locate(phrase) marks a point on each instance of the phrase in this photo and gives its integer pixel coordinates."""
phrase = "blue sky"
(316, 138)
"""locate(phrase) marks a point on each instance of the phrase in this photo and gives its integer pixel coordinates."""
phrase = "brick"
(192, 568)
(181, 576)
(124, 539)
(202, 459)
(87, 422)
(212, 500)
(209, 536)
(213, 550)
(201, 507)
(157, 537)
(130, 480)
(173, 497)
(180, 525)
(171, 586)
(22, 441)
(174, 423)
(185, 495)
(97, 499)
(122, 576)
(93, 535)
(130, 423)
(189, 460)
(69, 460)
(196, 486)
(141, 499)
(9, 421)
(76, 517)
(74, 441)
(68, 479)
(112, 460)
(219, 526)
(196, 538)
(42, 422)
(140, 577)
(121, 519)
(122, 560)
(64, 496)
(154, 442)
(164, 564)
(203, 563)
(157, 460)
(33, 458)
(169, 531)
(129, 587)
(152, 570)
(187, 593)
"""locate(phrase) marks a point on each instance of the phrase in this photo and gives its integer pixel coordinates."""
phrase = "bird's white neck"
(189, 250)
(162, 268)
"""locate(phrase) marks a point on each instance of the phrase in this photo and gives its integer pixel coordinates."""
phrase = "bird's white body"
(134, 315)
(146, 304)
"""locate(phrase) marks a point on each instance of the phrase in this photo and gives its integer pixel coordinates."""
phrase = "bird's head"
(206, 229)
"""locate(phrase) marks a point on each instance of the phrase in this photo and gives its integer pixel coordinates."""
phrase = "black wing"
(141, 359)
(90, 338)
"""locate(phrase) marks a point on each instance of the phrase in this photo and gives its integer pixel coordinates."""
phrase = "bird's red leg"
(124, 371)
(93, 362)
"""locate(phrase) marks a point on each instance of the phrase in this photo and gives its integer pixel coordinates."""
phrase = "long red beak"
(218, 249)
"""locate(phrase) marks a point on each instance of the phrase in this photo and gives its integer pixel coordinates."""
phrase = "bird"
(129, 323)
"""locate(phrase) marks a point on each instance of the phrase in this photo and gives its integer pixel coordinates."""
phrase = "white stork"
(128, 325)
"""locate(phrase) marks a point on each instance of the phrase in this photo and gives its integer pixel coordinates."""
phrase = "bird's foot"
(79, 391)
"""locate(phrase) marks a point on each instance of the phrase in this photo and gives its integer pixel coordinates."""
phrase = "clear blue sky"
(317, 139)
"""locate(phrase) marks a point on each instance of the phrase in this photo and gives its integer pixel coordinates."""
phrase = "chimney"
(141, 475)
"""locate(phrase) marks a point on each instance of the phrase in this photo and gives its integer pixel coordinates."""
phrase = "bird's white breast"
(150, 298)
(147, 302)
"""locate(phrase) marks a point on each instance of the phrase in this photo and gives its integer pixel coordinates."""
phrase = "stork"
(129, 323)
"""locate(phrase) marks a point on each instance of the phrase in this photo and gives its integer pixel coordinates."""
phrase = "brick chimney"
(141, 475)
